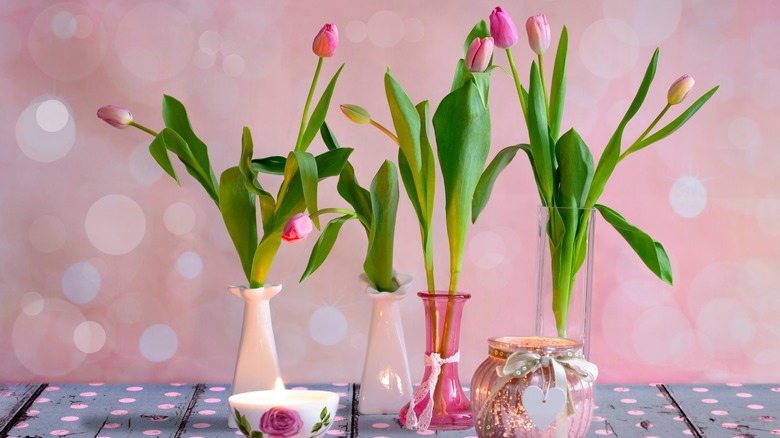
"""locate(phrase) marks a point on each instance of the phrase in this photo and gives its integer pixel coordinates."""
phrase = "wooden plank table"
(201, 410)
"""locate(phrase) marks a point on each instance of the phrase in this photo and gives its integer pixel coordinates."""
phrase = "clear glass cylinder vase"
(564, 274)
(446, 406)
(498, 402)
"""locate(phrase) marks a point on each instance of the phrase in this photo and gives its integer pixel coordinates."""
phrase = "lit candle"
(286, 413)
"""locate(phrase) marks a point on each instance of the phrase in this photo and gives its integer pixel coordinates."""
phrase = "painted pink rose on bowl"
(279, 422)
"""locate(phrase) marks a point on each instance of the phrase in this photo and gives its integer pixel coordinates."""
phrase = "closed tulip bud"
(679, 89)
(538, 33)
(502, 28)
(326, 41)
(356, 114)
(479, 53)
(297, 228)
(115, 116)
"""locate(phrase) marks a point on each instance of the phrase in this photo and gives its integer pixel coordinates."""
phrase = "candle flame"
(279, 392)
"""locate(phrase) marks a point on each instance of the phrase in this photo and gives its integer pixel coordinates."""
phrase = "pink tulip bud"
(326, 41)
(115, 116)
(502, 28)
(679, 89)
(297, 228)
(538, 33)
(479, 53)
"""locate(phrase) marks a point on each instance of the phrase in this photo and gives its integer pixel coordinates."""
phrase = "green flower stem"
(385, 131)
(342, 211)
(143, 128)
(308, 103)
(647, 131)
(517, 84)
(544, 88)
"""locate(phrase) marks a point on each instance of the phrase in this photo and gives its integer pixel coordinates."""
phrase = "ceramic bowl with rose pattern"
(284, 414)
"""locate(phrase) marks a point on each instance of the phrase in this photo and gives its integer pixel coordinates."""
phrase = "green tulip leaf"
(539, 136)
(428, 163)
(249, 172)
(378, 265)
(575, 168)
(674, 124)
(237, 206)
(175, 118)
(273, 165)
(488, 179)
(332, 162)
(319, 113)
(408, 180)
(264, 257)
(611, 155)
(462, 128)
(650, 251)
(324, 244)
(328, 138)
(159, 150)
(307, 169)
(358, 197)
(558, 85)
(406, 120)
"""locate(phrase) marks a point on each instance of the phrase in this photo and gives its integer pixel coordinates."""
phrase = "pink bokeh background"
(110, 272)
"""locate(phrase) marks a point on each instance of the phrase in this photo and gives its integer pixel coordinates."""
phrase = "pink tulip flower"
(502, 28)
(479, 53)
(116, 116)
(297, 228)
(679, 89)
(326, 41)
(538, 33)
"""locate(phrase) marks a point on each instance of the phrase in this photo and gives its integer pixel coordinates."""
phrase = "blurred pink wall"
(110, 272)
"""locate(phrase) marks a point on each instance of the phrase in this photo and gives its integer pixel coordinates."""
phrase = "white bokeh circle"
(356, 31)
(233, 65)
(653, 21)
(414, 30)
(40, 144)
(115, 224)
(32, 303)
(43, 342)
(768, 216)
(745, 136)
(89, 337)
(486, 249)
(81, 283)
(724, 325)
(158, 343)
(65, 32)
(688, 196)
(662, 335)
(328, 326)
(47, 233)
(210, 41)
(189, 264)
(609, 48)
(385, 29)
(52, 115)
(179, 218)
(157, 52)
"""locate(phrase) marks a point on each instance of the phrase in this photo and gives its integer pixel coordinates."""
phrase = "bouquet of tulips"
(567, 180)
(238, 193)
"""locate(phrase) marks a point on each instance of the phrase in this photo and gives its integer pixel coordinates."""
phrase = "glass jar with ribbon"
(533, 387)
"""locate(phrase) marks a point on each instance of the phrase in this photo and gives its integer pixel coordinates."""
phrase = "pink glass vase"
(446, 405)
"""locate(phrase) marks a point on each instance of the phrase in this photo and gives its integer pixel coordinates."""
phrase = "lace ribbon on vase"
(425, 390)
(522, 363)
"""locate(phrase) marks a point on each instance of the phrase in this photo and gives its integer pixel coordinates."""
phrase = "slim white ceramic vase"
(257, 365)
(386, 383)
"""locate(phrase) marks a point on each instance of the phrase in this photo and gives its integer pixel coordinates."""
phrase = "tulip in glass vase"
(569, 184)
(461, 125)
(238, 194)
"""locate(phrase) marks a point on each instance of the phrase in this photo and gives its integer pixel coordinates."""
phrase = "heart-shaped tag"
(541, 409)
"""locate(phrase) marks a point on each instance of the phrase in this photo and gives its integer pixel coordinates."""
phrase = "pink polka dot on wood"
(627, 400)
(52, 388)
(212, 400)
(70, 418)
(755, 407)
(152, 432)
(42, 400)
(604, 432)
(20, 425)
(207, 412)
(730, 425)
(79, 406)
(700, 389)
(111, 425)
(709, 401)
(621, 389)
(135, 388)
(721, 413)
(380, 425)
(201, 425)
(59, 432)
(166, 406)
(172, 394)
(744, 395)
(126, 400)
(119, 412)
(636, 412)
(426, 432)
(687, 432)
(88, 394)
(334, 432)
(597, 418)
(217, 388)
(734, 385)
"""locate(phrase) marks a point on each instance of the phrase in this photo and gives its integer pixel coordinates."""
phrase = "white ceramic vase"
(386, 383)
(257, 365)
